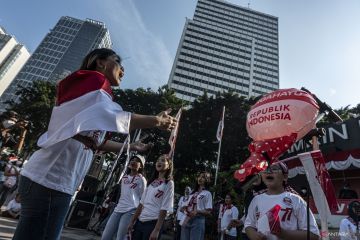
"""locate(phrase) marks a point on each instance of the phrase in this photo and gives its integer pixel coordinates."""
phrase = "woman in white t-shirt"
(156, 202)
(133, 185)
(54, 172)
(179, 212)
(349, 227)
(228, 216)
(292, 215)
(196, 209)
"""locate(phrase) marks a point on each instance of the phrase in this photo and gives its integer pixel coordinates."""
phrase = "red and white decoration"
(275, 123)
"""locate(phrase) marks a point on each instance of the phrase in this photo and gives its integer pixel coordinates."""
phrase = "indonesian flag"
(320, 183)
(174, 134)
(84, 103)
(220, 129)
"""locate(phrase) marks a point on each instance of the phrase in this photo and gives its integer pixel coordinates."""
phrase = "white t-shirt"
(292, 214)
(199, 201)
(347, 230)
(226, 215)
(13, 206)
(157, 196)
(182, 201)
(132, 187)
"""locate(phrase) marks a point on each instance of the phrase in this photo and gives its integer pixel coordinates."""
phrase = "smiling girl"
(156, 202)
(133, 185)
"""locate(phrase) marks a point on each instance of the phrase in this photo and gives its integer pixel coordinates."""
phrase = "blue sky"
(319, 39)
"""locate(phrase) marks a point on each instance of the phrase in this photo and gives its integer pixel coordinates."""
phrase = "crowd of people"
(53, 173)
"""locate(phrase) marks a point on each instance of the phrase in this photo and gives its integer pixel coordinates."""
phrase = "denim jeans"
(43, 212)
(117, 225)
(194, 229)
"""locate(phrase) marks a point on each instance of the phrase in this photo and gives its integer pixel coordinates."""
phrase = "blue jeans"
(43, 212)
(194, 229)
(117, 224)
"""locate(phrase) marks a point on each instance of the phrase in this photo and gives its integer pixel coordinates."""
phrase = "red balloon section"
(275, 123)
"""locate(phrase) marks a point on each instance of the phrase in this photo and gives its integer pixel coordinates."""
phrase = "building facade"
(13, 56)
(60, 53)
(226, 47)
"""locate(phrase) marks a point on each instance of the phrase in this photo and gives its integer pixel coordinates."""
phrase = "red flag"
(220, 129)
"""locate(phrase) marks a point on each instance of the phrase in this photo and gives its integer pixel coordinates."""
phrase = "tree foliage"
(35, 105)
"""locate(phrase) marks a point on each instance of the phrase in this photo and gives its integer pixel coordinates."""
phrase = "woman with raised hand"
(84, 112)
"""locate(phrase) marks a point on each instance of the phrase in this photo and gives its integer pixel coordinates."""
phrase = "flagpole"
(217, 162)
(219, 134)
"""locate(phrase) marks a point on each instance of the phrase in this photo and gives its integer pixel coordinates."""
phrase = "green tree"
(35, 105)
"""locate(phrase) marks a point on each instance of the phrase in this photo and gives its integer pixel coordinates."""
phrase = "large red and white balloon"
(275, 122)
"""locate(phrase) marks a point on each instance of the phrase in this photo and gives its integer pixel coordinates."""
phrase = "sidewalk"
(7, 229)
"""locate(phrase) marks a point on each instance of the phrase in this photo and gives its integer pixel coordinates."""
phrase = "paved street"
(7, 228)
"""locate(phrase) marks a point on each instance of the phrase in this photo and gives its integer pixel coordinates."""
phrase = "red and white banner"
(174, 133)
(84, 104)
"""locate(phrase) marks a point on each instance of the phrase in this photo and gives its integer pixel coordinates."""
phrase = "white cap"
(141, 158)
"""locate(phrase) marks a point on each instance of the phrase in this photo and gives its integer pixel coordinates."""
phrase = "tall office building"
(60, 53)
(226, 47)
(12, 58)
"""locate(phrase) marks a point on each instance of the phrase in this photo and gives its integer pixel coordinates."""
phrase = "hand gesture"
(166, 122)
(141, 147)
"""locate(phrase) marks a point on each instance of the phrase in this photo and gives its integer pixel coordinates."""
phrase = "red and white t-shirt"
(199, 201)
(132, 187)
(228, 213)
(159, 195)
(292, 214)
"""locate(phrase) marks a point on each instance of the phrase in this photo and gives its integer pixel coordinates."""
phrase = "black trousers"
(143, 230)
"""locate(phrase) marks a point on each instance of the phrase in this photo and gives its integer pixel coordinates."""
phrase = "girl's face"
(112, 69)
(228, 200)
(201, 179)
(134, 164)
(162, 164)
(273, 178)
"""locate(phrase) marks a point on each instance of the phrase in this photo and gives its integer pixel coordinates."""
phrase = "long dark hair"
(207, 181)
(168, 173)
(351, 212)
(89, 62)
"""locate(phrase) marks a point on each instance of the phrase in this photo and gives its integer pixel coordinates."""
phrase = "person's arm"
(167, 205)
(254, 235)
(296, 235)
(300, 213)
(112, 146)
(250, 222)
(208, 207)
(135, 217)
(235, 215)
(8, 173)
(162, 121)
(155, 233)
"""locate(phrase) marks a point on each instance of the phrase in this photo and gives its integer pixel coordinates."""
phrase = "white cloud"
(150, 59)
